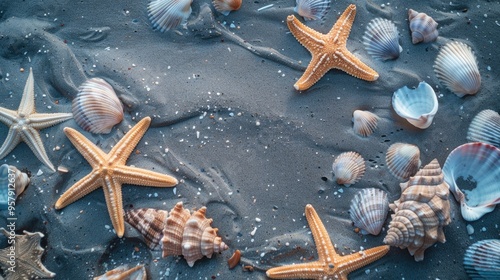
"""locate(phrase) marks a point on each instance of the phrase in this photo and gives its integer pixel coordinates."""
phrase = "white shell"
(96, 108)
(364, 122)
(226, 6)
(482, 259)
(168, 14)
(369, 209)
(423, 27)
(418, 106)
(473, 174)
(312, 9)
(348, 168)
(381, 39)
(403, 160)
(485, 127)
(12, 184)
(456, 67)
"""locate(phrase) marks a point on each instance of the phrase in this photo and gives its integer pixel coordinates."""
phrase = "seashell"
(312, 9)
(177, 233)
(124, 273)
(348, 168)
(482, 259)
(403, 160)
(96, 108)
(456, 67)
(423, 27)
(369, 208)
(471, 170)
(418, 106)
(12, 184)
(226, 6)
(421, 212)
(381, 39)
(168, 14)
(485, 127)
(364, 122)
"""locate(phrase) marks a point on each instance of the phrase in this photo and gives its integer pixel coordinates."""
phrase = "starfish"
(330, 264)
(24, 124)
(329, 50)
(110, 172)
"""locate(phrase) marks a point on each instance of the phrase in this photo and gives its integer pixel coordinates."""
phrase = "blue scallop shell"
(482, 259)
(168, 14)
(312, 9)
(381, 39)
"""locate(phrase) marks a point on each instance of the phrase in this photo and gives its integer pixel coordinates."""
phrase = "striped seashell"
(124, 273)
(364, 122)
(456, 67)
(12, 184)
(168, 14)
(485, 127)
(423, 27)
(418, 106)
(312, 9)
(368, 211)
(421, 212)
(226, 6)
(403, 160)
(178, 232)
(348, 168)
(471, 170)
(381, 39)
(482, 259)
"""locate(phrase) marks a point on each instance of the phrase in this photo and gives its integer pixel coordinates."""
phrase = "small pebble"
(470, 229)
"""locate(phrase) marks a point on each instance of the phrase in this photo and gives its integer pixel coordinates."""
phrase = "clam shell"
(423, 27)
(226, 6)
(403, 160)
(485, 127)
(364, 122)
(472, 172)
(456, 67)
(312, 9)
(418, 106)
(482, 259)
(348, 168)
(96, 108)
(381, 39)
(12, 183)
(124, 273)
(168, 14)
(369, 209)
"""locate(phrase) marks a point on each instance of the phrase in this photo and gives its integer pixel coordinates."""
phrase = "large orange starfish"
(329, 50)
(330, 264)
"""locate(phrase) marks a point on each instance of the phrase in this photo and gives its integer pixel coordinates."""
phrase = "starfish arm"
(316, 69)
(39, 121)
(113, 194)
(353, 66)
(13, 138)
(32, 138)
(143, 177)
(80, 189)
(357, 260)
(326, 252)
(89, 151)
(340, 31)
(313, 270)
(27, 105)
(7, 116)
(311, 39)
(124, 147)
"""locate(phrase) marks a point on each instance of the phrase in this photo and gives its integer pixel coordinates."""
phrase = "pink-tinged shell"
(168, 14)
(473, 174)
(124, 273)
(482, 259)
(348, 168)
(485, 127)
(96, 108)
(369, 209)
(364, 122)
(312, 9)
(423, 27)
(381, 39)
(456, 67)
(226, 6)
(418, 106)
(403, 160)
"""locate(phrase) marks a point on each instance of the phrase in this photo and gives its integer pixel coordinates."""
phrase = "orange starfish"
(330, 264)
(329, 50)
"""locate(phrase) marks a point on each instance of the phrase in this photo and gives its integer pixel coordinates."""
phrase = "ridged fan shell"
(13, 180)
(423, 27)
(482, 259)
(369, 209)
(124, 273)
(403, 160)
(418, 106)
(226, 6)
(364, 122)
(348, 168)
(485, 127)
(312, 9)
(381, 39)
(168, 14)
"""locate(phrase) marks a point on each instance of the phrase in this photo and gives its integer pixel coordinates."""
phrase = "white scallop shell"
(364, 122)
(482, 259)
(312, 9)
(96, 108)
(369, 209)
(473, 175)
(485, 127)
(403, 160)
(456, 67)
(348, 168)
(381, 39)
(423, 27)
(226, 6)
(168, 14)
(418, 106)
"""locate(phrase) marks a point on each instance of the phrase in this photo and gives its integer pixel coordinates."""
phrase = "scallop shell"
(418, 106)
(381, 39)
(12, 183)
(482, 259)
(423, 27)
(312, 9)
(421, 212)
(456, 67)
(485, 127)
(364, 122)
(472, 172)
(226, 6)
(96, 108)
(348, 168)
(124, 273)
(168, 14)
(369, 209)
(178, 232)
(403, 160)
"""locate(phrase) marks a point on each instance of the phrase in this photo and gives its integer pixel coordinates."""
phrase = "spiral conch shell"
(423, 27)
(421, 212)
(12, 183)
(178, 232)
